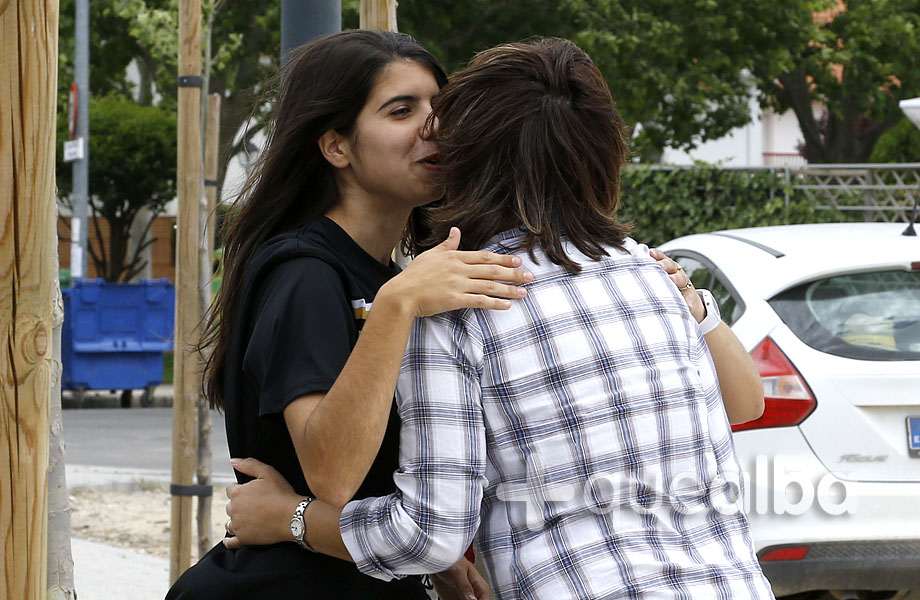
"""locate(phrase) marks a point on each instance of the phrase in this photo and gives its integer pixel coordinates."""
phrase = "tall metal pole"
(79, 224)
(303, 20)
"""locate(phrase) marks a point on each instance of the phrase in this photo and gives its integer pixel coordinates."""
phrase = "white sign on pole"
(76, 250)
(73, 150)
(76, 262)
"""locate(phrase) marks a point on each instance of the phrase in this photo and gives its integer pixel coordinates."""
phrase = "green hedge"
(664, 204)
(899, 144)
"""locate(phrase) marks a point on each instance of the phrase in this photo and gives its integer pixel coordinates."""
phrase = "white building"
(770, 139)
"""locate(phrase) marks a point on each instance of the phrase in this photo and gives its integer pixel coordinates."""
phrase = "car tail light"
(788, 553)
(787, 398)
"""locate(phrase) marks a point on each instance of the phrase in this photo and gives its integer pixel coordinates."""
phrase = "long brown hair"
(529, 137)
(325, 86)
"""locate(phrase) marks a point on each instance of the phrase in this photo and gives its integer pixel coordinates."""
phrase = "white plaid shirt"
(581, 432)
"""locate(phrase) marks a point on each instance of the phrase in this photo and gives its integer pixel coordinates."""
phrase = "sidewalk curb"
(120, 479)
(162, 398)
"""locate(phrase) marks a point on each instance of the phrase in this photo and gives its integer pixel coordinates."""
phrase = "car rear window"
(869, 316)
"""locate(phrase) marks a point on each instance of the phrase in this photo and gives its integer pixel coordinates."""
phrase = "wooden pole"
(203, 459)
(378, 14)
(28, 250)
(187, 379)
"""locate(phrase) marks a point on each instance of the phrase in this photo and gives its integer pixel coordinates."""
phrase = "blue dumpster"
(115, 334)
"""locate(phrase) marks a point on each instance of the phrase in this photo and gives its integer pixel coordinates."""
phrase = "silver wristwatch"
(298, 529)
(713, 316)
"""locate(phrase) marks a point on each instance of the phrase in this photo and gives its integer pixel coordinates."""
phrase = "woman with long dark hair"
(308, 253)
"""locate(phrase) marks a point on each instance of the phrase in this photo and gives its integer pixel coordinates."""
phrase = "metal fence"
(882, 192)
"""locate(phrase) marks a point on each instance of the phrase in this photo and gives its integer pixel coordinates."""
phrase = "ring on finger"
(686, 287)
(227, 527)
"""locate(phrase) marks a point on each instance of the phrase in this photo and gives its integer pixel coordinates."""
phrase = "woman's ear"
(335, 148)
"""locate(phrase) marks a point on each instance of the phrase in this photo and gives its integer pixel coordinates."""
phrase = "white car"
(831, 315)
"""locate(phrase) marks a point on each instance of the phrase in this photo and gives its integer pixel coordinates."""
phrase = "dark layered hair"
(324, 86)
(529, 137)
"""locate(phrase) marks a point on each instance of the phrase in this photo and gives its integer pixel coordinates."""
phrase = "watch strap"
(713, 316)
(298, 516)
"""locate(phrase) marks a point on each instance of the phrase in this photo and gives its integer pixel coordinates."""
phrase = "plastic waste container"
(114, 336)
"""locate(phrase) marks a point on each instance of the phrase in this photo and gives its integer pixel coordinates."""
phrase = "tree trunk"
(848, 136)
(796, 92)
(28, 250)
(118, 248)
(140, 263)
(60, 559)
(147, 74)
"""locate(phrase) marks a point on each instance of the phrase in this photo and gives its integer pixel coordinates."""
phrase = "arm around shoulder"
(359, 402)
(429, 523)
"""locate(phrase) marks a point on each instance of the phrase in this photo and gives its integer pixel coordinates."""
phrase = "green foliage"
(676, 68)
(901, 144)
(111, 49)
(859, 62)
(245, 38)
(682, 69)
(666, 203)
(154, 27)
(685, 70)
(132, 151)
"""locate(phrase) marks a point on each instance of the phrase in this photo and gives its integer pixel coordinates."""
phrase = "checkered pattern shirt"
(581, 432)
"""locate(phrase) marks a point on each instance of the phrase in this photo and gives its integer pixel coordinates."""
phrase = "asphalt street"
(133, 438)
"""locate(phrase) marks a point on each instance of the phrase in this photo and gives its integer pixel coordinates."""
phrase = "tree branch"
(100, 259)
(797, 87)
(133, 269)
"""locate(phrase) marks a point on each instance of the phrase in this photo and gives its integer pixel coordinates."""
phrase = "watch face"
(297, 528)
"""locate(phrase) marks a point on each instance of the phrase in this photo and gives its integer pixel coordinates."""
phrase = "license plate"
(913, 436)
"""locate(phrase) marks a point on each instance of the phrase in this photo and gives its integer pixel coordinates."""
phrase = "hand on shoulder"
(680, 278)
(445, 278)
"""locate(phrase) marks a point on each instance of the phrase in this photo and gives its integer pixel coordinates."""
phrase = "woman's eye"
(401, 111)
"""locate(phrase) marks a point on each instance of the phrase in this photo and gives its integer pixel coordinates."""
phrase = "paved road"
(133, 438)
(116, 448)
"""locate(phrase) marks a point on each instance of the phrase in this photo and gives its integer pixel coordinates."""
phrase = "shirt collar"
(510, 238)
